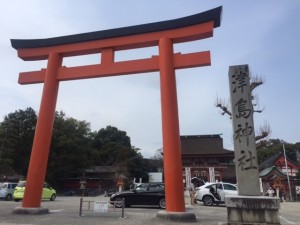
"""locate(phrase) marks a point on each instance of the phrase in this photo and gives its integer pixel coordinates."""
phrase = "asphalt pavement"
(65, 211)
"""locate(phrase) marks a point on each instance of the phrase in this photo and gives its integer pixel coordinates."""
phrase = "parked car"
(48, 192)
(214, 193)
(143, 194)
(7, 190)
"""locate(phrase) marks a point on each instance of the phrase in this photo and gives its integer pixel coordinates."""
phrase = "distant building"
(96, 179)
(204, 154)
(274, 172)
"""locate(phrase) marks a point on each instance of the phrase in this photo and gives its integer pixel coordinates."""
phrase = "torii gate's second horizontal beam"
(181, 61)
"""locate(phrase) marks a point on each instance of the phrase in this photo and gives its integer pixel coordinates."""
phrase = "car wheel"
(16, 200)
(208, 200)
(8, 197)
(162, 203)
(53, 197)
(118, 203)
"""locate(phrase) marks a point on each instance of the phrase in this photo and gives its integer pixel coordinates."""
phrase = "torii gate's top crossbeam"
(106, 42)
(211, 15)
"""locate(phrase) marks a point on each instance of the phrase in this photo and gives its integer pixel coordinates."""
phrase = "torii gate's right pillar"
(170, 127)
(175, 206)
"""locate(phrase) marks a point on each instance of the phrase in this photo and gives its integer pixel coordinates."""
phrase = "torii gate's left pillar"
(42, 139)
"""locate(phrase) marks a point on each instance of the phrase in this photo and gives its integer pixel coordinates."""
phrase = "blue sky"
(264, 34)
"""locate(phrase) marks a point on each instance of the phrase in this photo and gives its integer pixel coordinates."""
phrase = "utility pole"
(287, 172)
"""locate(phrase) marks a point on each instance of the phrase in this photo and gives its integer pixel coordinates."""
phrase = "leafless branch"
(256, 81)
(264, 132)
(224, 106)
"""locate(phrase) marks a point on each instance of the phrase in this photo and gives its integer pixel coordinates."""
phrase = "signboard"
(261, 185)
(188, 177)
(298, 190)
(100, 206)
(212, 177)
(155, 177)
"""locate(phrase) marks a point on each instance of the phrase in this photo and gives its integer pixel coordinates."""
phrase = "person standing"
(271, 192)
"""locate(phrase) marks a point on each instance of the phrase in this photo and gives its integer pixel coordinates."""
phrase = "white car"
(214, 193)
(7, 190)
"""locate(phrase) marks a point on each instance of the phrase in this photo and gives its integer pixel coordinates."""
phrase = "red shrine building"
(273, 171)
(206, 157)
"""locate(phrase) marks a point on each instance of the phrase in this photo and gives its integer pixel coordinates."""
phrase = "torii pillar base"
(30, 211)
(177, 216)
(256, 210)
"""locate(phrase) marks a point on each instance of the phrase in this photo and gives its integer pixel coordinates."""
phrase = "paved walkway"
(65, 211)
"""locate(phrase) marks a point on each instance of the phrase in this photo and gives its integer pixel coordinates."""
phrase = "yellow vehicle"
(48, 192)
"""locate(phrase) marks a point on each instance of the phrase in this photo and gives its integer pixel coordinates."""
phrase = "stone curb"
(177, 216)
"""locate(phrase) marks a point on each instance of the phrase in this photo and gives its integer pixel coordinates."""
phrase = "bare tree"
(224, 106)
(255, 81)
(158, 154)
(264, 132)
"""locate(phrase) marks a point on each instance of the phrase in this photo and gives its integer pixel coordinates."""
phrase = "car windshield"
(150, 188)
(215, 185)
(156, 188)
(21, 184)
(141, 188)
(47, 186)
(229, 187)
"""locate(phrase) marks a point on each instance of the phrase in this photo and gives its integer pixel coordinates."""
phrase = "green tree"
(113, 147)
(17, 132)
(111, 135)
(271, 147)
(73, 149)
(138, 167)
(70, 149)
(5, 153)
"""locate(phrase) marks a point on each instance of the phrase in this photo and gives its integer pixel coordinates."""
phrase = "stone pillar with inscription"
(249, 206)
(243, 131)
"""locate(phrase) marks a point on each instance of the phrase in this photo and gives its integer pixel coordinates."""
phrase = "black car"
(143, 194)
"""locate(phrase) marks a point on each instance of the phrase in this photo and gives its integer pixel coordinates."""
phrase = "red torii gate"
(162, 34)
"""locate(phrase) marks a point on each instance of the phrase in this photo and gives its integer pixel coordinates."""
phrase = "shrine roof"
(203, 145)
(210, 15)
(267, 171)
(271, 161)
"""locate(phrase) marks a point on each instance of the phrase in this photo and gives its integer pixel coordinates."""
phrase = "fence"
(100, 206)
